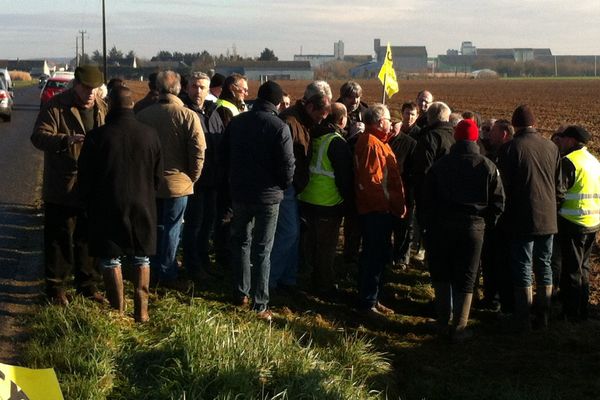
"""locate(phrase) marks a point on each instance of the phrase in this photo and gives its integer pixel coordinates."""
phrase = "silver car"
(6, 102)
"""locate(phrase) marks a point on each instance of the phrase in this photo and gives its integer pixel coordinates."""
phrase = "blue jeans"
(252, 234)
(532, 252)
(376, 229)
(284, 257)
(200, 216)
(113, 262)
(170, 217)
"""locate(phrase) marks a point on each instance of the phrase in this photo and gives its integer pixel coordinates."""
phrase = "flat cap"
(89, 75)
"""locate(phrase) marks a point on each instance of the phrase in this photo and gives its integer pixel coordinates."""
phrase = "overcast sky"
(42, 28)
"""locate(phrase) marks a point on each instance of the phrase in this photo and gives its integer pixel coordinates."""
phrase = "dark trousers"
(200, 216)
(403, 236)
(320, 244)
(222, 229)
(495, 267)
(376, 229)
(352, 237)
(576, 248)
(453, 254)
(66, 249)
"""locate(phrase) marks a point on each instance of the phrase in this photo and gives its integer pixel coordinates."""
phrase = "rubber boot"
(462, 308)
(543, 298)
(140, 296)
(523, 301)
(443, 305)
(113, 281)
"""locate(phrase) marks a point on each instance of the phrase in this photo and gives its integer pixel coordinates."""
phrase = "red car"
(53, 86)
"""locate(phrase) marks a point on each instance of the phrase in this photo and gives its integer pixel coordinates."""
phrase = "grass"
(200, 347)
(24, 84)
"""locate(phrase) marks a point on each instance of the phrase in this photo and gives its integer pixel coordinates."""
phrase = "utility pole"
(77, 51)
(595, 63)
(83, 46)
(104, 40)
(555, 67)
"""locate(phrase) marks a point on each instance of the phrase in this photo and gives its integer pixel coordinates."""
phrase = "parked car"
(5, 77)
(6, 102)
(53, 86)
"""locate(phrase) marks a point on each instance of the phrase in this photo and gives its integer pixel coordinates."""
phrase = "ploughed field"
(554, 102)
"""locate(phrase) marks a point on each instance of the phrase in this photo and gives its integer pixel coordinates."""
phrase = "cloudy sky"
(41, 28)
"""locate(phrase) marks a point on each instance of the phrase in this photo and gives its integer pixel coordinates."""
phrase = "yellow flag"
(28, 384)
(387, 75)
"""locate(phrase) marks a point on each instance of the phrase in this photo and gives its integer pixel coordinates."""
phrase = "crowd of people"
(265, 187)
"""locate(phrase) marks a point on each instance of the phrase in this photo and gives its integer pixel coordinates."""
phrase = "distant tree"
(97, 57)
(267, 55)
(130, 55)
(162, 55)
(114, 55)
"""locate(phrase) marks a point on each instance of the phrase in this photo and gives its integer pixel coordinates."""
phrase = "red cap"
(466, 130)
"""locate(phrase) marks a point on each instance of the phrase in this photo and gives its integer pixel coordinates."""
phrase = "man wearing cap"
(579, 220)
(215, 88)
(463, 196)
(531, 173)
(59, 131)
(257, 154)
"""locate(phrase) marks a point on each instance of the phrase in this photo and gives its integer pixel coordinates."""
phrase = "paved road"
(21, 239)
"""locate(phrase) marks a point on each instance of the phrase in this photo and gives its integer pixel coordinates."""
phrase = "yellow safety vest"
(229, 105)
(582, 201)
(321, 189)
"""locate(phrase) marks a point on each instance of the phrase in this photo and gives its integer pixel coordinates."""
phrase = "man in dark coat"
(531, 174)
(120, 170)
(434, 142)
(59, 132)
(403, 145)
(463, 195)
(201, 210)
(257, 152)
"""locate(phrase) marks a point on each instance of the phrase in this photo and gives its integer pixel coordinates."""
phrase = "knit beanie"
(271, 92)
(523, 117)
(466, 129)
(217, 80)
(577, 133)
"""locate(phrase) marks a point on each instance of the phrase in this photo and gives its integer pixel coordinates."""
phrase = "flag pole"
(383, 95)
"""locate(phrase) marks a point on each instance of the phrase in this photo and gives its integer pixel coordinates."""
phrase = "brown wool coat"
(58, 120)
(182, 141)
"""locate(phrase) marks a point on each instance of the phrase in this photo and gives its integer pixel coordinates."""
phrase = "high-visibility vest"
(321, 189)
(582, 201)
(228, 105)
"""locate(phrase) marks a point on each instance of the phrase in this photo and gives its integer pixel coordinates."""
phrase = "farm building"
(34, 67)
(317, 60)
(406, 58)
(257, 70)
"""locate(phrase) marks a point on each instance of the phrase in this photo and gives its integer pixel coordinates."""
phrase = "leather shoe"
(265, 315)
(59, 298)
(383, 309)
(243, 302)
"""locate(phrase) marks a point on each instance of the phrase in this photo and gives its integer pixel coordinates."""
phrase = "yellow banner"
(18, 383)
(387, 75)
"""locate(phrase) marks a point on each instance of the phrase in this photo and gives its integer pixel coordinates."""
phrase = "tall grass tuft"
(197, 350)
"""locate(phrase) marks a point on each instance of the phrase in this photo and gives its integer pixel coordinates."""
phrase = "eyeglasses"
(242, 89)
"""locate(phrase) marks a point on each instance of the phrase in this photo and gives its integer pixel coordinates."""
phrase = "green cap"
(89, 75)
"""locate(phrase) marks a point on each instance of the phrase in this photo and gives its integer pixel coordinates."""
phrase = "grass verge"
(194, 349)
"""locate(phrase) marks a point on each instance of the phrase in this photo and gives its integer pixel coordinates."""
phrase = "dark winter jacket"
(57, 120)
(531, 173)
(120, 169)
(257, 152)
(300, 125)
(403, 147)
(434, 142)
(463, 190)
(210, 172)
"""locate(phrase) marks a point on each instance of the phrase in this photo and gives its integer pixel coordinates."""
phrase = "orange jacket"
(377, 177)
